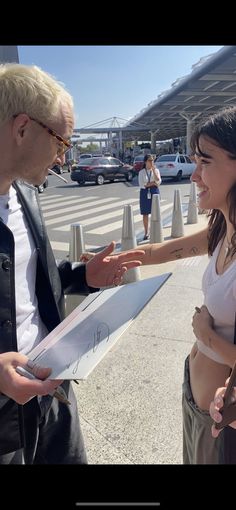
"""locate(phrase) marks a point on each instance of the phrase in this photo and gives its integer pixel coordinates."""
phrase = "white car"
(175, 166)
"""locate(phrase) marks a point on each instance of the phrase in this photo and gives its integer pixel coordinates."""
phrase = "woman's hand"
(216, 405)
(202, 324)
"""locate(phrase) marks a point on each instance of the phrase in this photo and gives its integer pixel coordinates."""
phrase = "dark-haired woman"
(214, 353)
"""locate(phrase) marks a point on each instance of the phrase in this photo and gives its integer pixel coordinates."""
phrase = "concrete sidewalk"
(130, 405)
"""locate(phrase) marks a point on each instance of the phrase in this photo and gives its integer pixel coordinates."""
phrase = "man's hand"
(86, 256)
(103, 270)
(19, 388)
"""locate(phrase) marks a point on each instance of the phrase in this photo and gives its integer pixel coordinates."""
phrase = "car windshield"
(138, 158)
(88, 161)
(84, 156)
(167, 158)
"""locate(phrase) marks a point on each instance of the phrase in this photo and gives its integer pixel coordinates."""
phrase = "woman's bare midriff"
(205, 376)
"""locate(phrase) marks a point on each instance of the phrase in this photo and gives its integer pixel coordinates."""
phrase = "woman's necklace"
(228, 249)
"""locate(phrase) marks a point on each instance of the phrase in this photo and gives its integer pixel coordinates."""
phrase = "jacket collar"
(28, 197)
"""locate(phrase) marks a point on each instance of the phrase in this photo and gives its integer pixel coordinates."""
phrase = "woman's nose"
(196, 174)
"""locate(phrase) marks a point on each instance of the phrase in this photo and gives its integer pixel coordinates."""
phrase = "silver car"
(176, 166)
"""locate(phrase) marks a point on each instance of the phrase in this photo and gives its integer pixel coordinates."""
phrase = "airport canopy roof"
(210, 86)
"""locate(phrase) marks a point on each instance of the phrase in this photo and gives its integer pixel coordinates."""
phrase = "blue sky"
(114, 81)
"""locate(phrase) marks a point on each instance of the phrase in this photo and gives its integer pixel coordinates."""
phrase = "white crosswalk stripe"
(118, 224)
(75, 200)
(93, 211)
(76, 207)
(59, 246)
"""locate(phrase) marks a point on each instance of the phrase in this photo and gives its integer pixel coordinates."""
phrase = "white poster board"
(78, 344)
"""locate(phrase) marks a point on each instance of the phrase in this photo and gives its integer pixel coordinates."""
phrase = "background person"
(36, 123)
(149, 180)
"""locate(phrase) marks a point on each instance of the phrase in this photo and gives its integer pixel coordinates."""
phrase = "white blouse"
(146, 176)
(220, 298)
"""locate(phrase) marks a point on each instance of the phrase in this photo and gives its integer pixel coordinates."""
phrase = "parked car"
(41, 187)
(68, 164)
(85, 156)
(175, 166)
(57, 169)
(100, 170)
(138, 163)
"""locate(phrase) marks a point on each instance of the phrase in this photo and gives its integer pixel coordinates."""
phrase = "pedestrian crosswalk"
(100, 216)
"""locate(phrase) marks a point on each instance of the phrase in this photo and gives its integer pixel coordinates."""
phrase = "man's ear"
(19, 126)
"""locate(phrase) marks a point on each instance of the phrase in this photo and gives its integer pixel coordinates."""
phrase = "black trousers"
(228, 446)
(52, 433)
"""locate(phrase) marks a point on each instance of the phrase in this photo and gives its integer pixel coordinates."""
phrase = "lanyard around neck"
(148, 174)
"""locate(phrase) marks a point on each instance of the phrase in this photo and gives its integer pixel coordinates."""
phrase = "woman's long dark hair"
(221, 130)
(146, 157)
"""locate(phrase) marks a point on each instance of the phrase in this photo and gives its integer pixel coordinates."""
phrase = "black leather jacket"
(51, 283)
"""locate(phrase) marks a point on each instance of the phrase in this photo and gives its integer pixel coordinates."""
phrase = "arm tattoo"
(177, 253)
(194, 250)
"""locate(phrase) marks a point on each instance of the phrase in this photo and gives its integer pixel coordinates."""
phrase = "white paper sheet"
(78, 344)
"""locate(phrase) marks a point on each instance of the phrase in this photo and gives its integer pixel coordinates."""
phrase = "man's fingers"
(132, 263)
(127, 256)
(38, 371)
(41, 372)
(107, 251)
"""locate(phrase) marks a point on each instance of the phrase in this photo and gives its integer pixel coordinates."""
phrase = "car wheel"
(40, 188)
(129, 176)
(179, 176)
(100, 179)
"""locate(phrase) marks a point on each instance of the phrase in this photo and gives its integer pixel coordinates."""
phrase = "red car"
(138, 163)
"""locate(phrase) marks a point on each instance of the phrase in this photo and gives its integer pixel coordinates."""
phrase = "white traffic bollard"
(192, 205)
(75, 250)
(156, 228)
(76, 242)
(177, 228)
(128, 241)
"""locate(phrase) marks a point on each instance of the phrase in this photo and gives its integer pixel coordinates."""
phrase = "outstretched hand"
(103, 270)
(86, 256)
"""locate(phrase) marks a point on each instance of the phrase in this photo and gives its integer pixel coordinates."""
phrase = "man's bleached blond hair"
(29, 89)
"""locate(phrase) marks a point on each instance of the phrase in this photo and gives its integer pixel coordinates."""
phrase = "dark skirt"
(146, 203)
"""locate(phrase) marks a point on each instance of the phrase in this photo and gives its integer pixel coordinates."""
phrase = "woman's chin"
(202, 202)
